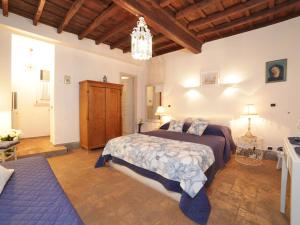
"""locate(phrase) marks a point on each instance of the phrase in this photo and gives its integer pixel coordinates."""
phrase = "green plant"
(10, 135)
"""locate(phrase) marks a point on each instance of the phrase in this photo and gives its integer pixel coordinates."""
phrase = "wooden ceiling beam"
(254, 17)
(159, 19)
(71, 12)
(106, 13)
(165, 3)
(256, 26)
(125, 25)
(158, 38)
(165, 44)
(39, 12)
(271, 4)
(166, 50)
(127, 49)
(121, 41)
(242, 7)
(220, 6)
(194, 8)
(5, 7)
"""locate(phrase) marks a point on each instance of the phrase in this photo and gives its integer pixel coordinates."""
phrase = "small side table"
(8, 149)
(249, 151)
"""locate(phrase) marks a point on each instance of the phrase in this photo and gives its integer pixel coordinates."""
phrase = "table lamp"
(249, 112)
(160, 111)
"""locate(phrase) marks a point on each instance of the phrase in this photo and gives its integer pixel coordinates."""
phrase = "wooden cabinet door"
(113, 113)
(97, 137)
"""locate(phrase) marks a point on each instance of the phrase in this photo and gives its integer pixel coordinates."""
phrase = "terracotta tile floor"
(36, 146)
(239, 195)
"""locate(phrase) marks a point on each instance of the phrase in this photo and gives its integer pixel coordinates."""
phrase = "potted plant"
(11, 135)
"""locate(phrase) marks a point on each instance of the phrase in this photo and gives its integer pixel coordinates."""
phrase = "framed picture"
(276, 71)
(210, 78)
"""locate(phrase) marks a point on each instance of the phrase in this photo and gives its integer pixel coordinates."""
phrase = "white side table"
(8, 149)
(249, 151)
(291, 165)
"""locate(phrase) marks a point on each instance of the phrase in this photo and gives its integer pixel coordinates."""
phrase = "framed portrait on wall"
(276, 71)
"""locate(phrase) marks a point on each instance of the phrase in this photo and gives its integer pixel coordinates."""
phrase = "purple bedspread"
(212, 129)
(218, 138)
(33, 196)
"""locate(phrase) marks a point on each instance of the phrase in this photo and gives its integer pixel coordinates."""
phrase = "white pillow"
(176, 126)
(197, 127)
(5, 174)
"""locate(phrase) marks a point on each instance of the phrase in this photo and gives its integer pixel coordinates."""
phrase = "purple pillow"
(213, 129)
(165, 126)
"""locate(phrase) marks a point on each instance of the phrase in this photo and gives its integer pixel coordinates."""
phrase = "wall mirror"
(153, 100)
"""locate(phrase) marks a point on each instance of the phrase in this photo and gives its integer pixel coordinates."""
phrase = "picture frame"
(276, 71)
(210, 78)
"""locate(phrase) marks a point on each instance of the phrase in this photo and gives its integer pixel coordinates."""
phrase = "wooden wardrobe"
(100, 113)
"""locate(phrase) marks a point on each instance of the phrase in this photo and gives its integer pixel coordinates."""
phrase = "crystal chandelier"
(141, 41)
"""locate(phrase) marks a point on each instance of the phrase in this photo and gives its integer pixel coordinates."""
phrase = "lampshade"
(249, 110)
(160, 111)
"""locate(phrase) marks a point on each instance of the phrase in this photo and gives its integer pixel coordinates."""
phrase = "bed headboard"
(224, 121)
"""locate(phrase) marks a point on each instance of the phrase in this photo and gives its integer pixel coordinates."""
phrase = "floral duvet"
(180, 161)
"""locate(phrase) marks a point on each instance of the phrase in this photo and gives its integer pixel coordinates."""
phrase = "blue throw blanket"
(33, 196)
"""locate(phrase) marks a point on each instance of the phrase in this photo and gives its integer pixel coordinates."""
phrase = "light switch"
(67, 79)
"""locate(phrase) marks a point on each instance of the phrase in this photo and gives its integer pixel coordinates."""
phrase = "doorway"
(128, 103)
(32, 73)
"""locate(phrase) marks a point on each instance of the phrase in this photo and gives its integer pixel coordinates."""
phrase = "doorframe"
(51, 82)
(135, 84)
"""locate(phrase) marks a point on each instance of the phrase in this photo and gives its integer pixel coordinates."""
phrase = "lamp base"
(249, 135)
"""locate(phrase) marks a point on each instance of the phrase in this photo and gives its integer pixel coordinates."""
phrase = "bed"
(33, 196)
(193, 202)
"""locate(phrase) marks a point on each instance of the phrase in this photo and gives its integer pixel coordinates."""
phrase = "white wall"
(31, 118)
(82, 65)
(5, 86)
(79, 59)
(240, 59)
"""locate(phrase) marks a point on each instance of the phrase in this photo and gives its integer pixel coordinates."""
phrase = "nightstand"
(249, 151)
(150, 126)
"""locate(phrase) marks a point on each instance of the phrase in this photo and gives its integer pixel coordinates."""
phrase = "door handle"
(14, 101)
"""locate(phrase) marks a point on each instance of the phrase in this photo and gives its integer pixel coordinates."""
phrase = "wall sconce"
(230, 91)
(193, 94)
(191, 83)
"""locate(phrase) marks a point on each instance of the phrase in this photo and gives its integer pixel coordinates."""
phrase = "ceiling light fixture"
(141, 41)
